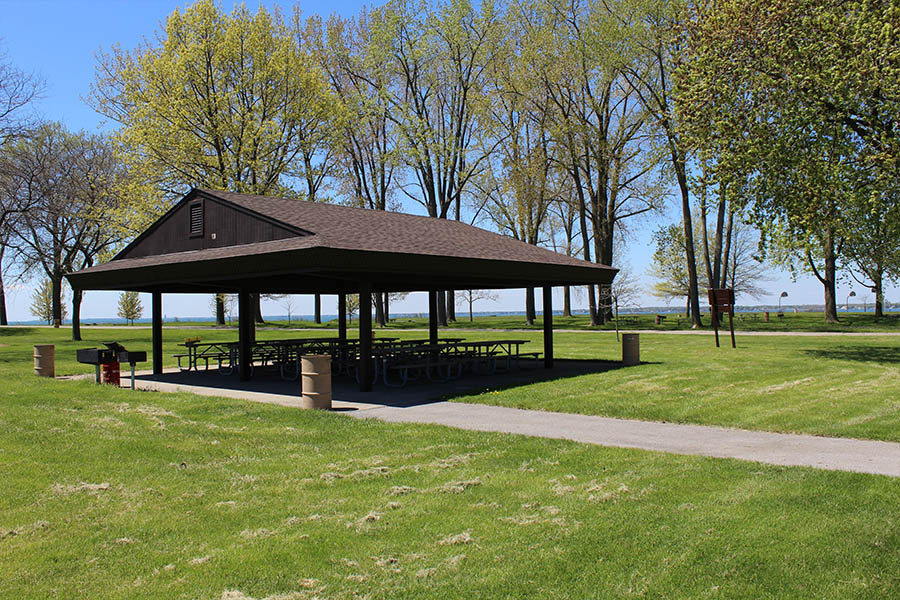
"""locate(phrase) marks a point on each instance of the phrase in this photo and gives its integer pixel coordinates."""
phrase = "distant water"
(460, 315)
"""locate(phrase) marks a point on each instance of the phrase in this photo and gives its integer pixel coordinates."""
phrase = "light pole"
(783, 295)
(852, 294)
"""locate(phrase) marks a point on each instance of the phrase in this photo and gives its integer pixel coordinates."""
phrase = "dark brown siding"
(222, 226)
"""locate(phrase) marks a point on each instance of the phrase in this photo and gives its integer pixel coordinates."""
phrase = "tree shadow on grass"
(878, 354)
(565, 369)
(17, 331)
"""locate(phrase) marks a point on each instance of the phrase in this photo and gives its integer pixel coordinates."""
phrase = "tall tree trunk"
(717, 243)
(693, 292)
(878, 280)
(3, 321)
(441, 309)
(76, 315)
(829, 278)
(567, 301)
(529, 306)
(257, 304)
(585, 242)
(471, 302)
(220, 309)
(387, 308)
(56, 301)
(317, 308)
(379, 308)
(704, 239)
(451, 306)
(726, 253)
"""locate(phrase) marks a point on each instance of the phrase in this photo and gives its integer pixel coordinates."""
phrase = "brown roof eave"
(336, 263)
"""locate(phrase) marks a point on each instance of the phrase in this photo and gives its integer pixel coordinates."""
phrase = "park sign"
(722, 300)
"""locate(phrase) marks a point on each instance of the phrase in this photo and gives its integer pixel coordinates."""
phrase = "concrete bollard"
(315, 381)
(44, 365)
(631, 349)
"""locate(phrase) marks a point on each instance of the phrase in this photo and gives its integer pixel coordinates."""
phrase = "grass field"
(118, 494)
(841, 386)
(109, 493)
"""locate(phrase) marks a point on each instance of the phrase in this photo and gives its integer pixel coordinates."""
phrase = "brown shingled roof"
(333, 249)
(352, 228)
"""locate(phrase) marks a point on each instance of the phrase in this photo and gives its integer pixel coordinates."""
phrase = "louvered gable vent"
(196, 219)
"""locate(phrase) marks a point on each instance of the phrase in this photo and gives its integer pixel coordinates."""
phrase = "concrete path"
(836, 454)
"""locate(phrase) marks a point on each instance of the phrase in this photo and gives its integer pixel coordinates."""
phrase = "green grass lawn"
(832, 385)
(840, 386)
(109, 493)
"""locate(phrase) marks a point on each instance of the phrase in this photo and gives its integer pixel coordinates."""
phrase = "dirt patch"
(786, 385)
(257, 533)
(91, 488)
(455, 540)
(457, 487)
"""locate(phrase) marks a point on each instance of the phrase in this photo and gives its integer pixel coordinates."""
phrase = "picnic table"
(195, 351)
(395, 361)
(446, 359)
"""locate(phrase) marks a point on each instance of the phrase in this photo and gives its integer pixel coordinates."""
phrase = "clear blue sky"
(59, 40)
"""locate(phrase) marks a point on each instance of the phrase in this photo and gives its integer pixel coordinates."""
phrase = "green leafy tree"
(130, 307)
(70, 183)
(651, 33)
(227, 101)
(669, 267)
(42, 302)
(797, 102)
(872, 246)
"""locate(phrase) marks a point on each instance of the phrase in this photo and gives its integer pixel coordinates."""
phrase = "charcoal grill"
(132, 357)
(114, 352)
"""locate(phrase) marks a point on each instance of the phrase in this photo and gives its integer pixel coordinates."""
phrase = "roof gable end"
(201, 221)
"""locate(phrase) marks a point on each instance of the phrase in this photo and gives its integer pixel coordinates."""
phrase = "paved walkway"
(836, 454)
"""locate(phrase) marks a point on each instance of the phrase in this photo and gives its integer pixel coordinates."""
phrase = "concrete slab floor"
(268, 387)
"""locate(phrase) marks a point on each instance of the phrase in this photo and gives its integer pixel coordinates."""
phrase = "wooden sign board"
(722, 300)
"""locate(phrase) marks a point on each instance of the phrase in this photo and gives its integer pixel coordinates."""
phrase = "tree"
(670, 268)
(798, 102)
(438, 58)
(18, 90)
(872, 248)
(232, 102)
(470, 297)
(352, 305)
(130, 307)
(42, 302)
(69, 183)
(652, 34)
(366, 150)
(600, 129)
(288, 301)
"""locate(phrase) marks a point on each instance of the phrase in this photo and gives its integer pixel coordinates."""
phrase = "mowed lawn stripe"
(117, 494)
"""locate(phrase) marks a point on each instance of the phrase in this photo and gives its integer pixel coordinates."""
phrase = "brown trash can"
(315, 381)
(766, 316)
(631, 349)
(44, 365)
